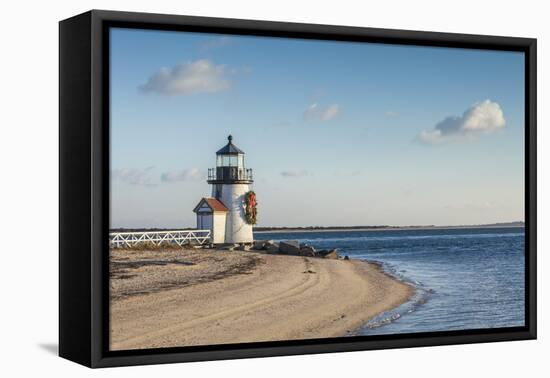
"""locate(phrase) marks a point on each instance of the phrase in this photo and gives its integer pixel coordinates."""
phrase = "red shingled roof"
(214, 204)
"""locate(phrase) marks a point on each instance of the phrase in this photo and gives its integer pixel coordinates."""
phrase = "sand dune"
(261, 297)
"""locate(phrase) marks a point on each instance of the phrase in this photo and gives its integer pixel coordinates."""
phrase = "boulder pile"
(294, 248)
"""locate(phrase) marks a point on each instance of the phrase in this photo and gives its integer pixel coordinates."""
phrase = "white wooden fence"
(179, 237)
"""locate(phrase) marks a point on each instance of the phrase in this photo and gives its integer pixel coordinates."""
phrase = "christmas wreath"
(250, 210)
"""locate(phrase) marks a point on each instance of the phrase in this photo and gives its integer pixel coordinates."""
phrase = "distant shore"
(200, 297)
(384, 228)
(344, 228)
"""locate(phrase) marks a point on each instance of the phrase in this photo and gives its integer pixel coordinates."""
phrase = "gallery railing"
(230, 173)
(179, 237)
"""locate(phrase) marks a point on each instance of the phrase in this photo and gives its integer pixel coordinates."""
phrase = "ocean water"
(465, 278)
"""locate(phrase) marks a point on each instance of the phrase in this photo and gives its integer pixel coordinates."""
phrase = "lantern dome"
(229, 148)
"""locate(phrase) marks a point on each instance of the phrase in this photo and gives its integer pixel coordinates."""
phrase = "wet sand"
(199, 297)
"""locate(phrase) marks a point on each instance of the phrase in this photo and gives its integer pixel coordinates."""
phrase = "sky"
(337, 133)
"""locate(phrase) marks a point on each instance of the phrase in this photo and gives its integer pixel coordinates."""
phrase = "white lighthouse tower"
(231, 182)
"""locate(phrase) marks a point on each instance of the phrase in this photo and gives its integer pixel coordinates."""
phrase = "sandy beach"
(197, 297)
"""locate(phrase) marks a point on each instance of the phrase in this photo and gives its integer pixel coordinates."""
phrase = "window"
(230, 161)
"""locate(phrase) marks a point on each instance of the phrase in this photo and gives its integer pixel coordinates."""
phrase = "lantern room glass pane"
(230, 160)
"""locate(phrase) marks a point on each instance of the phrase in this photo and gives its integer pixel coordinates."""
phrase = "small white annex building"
(212, 215)
(224, 212)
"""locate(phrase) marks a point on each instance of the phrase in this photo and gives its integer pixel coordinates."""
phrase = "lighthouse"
(231, 210)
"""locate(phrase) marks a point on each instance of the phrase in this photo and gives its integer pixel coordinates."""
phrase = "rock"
(332, 254)
(346, 257)
(243, 247)
(272, 248)
(307, 251)
(258, 245)
(268, 243)
(289, 247)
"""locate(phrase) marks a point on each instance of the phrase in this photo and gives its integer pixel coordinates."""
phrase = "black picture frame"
(84, 187)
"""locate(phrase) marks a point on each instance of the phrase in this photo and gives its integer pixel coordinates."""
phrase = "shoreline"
(181, 298)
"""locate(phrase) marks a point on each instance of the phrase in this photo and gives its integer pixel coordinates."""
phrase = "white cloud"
(191, 174)
(201, 76)
(481, 118)
(134, 176)
(314, 112)
(295, 173)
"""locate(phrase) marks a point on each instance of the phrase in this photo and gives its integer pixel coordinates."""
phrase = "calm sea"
(465, 278)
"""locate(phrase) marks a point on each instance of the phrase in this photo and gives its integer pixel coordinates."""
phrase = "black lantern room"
(230, 168)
